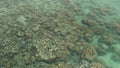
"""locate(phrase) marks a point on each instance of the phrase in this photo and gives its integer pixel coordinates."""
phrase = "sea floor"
(59, 34)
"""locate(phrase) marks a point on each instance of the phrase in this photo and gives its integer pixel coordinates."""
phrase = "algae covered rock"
(94, 64)
(116, 57)
(89, 22)
(88, 34)
(89, 53)
(44, 53)
(116, 28)
(102, 49)
(97, 65)
(107, 39)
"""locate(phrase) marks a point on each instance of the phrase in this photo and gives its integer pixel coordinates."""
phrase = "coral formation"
(86, 64)
(102, 49)
(108, 39)
(89, 22)
(116, 28)
(89, 53)
(116, 57)
(96, 65)
(46, 36)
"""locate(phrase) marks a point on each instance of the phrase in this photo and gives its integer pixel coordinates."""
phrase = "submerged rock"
(89, 22)
(97, 65)
(116, 58)
(89, 53)
(87, 64)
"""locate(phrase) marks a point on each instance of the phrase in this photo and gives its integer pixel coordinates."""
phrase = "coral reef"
(108, 39)
(86, 64)
(88, 35)
(96, 65)
(47, 35)
(89, 22)
(116, 28)
(116, 57)
(102, 49)
(89, 53)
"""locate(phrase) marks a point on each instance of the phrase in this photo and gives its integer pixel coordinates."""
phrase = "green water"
(59, 34)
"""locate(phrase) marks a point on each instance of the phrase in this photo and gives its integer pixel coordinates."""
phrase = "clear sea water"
(57, 33)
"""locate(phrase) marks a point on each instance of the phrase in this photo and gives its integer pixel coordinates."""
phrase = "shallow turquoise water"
(59, 34)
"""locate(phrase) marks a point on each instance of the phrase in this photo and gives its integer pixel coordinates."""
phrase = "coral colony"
(56, 34)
